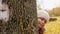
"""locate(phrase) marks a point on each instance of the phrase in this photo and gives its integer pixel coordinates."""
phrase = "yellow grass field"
(53, 27)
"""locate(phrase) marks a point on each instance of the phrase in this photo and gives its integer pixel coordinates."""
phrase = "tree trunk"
(23, 19)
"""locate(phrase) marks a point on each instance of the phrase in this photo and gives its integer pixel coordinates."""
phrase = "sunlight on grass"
(53, 27)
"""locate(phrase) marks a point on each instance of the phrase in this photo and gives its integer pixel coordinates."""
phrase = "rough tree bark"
(23, 18)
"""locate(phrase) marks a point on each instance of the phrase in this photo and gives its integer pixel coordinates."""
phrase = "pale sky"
(48, 4)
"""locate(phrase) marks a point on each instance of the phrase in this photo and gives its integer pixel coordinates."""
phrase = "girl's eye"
(43, 20)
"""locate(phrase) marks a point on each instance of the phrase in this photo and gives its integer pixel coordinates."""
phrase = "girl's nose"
(42, 22)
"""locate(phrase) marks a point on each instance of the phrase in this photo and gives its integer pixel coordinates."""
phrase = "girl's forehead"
(41, 18)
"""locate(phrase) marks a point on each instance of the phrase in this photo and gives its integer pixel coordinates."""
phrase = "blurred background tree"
(55, 11)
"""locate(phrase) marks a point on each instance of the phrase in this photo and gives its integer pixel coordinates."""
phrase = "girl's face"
(41, 22)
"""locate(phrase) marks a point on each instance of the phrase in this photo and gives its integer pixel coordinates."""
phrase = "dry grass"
(53, 27)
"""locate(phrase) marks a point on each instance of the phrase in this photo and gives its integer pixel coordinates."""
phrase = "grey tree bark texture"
(22, 19)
